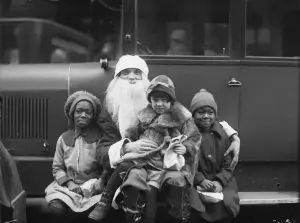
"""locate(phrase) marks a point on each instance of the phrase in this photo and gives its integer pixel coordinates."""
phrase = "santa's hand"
(179, 149)
(147, 146)
(167, 139)
(218, 187)
(140, 146)
(234, 148)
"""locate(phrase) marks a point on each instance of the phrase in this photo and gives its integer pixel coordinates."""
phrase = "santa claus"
(125, 98)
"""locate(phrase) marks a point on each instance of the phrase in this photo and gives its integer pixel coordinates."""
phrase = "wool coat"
(75, 159)
(215, 167)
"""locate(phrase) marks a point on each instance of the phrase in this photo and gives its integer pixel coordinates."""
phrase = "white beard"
(124, 101)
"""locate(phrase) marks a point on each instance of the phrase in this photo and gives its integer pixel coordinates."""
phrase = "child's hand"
(218, 187)
(207, 185)
(74, 187)
(167, 139)
(179, 149)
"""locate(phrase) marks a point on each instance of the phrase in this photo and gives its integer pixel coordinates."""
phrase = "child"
(162, 119)
(74, 164)
(214, 171)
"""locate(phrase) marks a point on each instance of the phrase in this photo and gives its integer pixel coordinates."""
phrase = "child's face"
(160, 104)
(205, 117)
(83, 114)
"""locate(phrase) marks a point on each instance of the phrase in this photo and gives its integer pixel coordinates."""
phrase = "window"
(273, 28)
(60, 31)
(9, 49)
(183, 27)
(48, 42)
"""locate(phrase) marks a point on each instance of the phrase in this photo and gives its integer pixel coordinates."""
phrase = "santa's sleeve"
(228, 129)
(114, 152)
(110, 135)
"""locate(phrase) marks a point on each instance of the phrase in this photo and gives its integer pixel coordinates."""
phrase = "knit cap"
(201, 99)
(129, 61)
(78, 96)
(162, 83)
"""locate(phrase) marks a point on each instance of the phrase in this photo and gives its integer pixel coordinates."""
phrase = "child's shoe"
(103, 206)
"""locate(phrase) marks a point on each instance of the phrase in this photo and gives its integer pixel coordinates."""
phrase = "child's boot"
(103, 206)
(151, 205)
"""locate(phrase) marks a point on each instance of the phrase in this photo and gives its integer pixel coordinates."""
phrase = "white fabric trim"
(114, 151)
(114, 204)
(228, 129)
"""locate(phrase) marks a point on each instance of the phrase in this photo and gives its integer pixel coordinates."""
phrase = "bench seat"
(268, 198)
(37, 207)
(246, 198)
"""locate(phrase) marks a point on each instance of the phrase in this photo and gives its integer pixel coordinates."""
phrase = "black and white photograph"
(149, 111)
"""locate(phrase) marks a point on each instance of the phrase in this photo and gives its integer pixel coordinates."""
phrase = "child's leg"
(151, 205)
(116, 179)
(99, 185)
(134, 191)
(59, 210)
(153, 180)
(104, 205)
(176, 195)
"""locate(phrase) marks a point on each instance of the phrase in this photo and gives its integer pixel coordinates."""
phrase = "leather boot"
(178, 199)
(103, 206)
(151, 205)
(133, 204)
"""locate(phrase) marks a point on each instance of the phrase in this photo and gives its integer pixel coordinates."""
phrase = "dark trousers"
(133, 204)
(116, 179)
(177, 199)
(151, 205)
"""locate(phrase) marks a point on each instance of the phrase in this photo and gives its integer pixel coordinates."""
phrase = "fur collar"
(171, 119)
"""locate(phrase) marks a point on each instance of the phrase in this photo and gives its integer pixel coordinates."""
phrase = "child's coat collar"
(70, 136)
(175, 117)
(218, 129)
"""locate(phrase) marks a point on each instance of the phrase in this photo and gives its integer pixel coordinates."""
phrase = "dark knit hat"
(201, 99)
(78, 96)
(162, 83)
